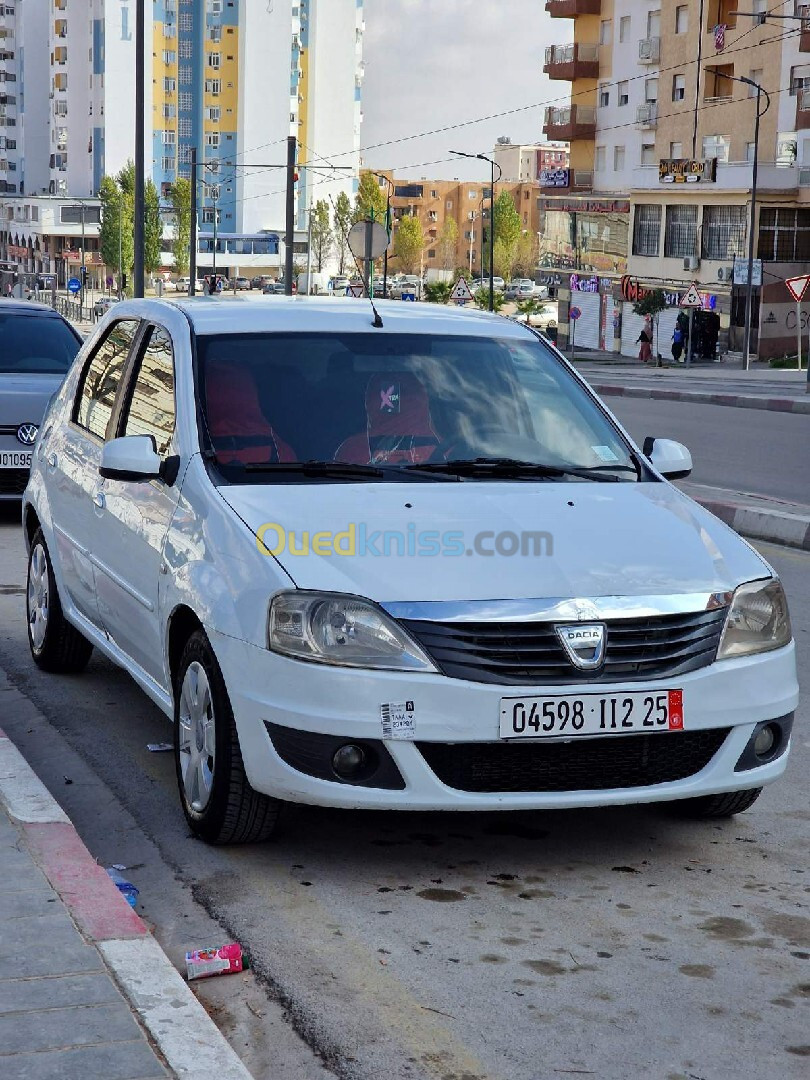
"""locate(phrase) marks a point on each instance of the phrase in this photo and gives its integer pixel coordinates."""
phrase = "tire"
(220, 805)
(55, 645)
(717, 806)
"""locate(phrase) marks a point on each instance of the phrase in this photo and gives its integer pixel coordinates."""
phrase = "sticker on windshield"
(398, 720)
(605, 453)
(389, 399)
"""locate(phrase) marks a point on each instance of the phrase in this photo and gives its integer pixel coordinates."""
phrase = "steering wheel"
(520, 447)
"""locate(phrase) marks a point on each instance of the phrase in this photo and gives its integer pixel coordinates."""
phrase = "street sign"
(797, 286)
(408, 296)
(692, 297)
(74, 285)
(461, 291)
(575, 313)
(740, 272)
(367, 240)
(355, 290)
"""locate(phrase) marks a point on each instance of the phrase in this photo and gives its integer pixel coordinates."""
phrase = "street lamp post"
(390, 184)
(493, 166)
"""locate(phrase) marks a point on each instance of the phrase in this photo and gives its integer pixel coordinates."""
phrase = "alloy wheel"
(196, 737)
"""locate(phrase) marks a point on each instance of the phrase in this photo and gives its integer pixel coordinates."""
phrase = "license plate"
(15, 459)
(570, 715)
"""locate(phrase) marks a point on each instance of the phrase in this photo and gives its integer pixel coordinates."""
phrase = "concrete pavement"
(755, 516)
(85, 990)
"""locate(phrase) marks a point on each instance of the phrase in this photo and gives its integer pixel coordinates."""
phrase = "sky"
(434, 63)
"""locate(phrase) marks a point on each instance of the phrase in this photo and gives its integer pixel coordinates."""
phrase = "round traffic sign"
(372, 232)
(74, 285)
(574, 313)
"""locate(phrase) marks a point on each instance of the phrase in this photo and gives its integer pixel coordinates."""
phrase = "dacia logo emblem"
(27, 434)
(584, 644)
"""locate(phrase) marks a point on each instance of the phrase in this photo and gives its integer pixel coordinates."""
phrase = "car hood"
(24, 398)
(598, 539)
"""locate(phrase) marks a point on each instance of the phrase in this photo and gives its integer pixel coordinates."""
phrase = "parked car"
(37, 347)
(260, 280)
(641, 653)
(274, 288)
(103, 305)
(408, 285)
(242, 284)
(183, 284)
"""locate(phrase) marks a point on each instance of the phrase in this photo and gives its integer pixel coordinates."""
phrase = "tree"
(342, 219)
(408, 244)
(506, 219)
(438, 292)
(320, 232)
(526, 255)
(481, 298)
(448, 238)
(152, 229)
(180, 198)
(116, 234)
(370, 196)
(652, 305)
(504, 258)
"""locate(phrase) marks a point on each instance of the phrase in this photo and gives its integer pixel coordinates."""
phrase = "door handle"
(52, 459)
(98, 499)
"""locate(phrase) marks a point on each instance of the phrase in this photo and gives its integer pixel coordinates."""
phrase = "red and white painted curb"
(770, 524)
(703, 397)
(182, 1030)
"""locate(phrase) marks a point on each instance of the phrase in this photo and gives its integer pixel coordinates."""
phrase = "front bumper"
(267, 689)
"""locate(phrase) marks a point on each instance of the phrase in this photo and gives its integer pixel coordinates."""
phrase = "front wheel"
(55, 645)
(220, 805)
(724, 805)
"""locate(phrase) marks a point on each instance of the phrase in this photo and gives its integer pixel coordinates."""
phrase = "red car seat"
(239, 430)
(399, 427)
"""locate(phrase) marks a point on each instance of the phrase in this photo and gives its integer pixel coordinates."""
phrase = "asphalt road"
(741, 449)
(613, 944)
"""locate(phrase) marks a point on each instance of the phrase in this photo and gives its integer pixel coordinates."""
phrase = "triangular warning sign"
(461, 290)
(797, 286)
(691, 297)
(355, 290)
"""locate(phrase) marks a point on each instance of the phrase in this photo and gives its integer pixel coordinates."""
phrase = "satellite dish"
(367, 240)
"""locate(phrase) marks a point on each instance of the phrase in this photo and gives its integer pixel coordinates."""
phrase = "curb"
(774, 526)
(177, 1023)
(705, 397)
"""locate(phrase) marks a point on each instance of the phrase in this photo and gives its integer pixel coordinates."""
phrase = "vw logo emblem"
(27, 434)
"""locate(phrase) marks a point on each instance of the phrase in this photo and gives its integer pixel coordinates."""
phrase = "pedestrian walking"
(645, 352)
(677, 344)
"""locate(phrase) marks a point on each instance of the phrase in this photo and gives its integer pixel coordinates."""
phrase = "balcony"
(803, 110)
(731, 176)
(568, 124)
(572, 62)
(569, 9)
(649, 50)
(647, 115)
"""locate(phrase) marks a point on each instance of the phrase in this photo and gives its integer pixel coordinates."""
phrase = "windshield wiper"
(512, 467)
(338, 469)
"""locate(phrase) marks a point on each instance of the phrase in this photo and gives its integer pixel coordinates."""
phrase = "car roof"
(214, 315)
(27, 307)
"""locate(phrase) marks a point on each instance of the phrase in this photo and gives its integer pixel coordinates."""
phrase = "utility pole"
(493, 165)
(192, 252)
(138, 267)
(309, 250)
(289, 235)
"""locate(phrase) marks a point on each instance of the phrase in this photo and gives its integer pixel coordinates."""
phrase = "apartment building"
(435, 202)
(662, 132)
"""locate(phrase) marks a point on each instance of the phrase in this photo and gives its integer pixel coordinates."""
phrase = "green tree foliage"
(527, 252)
(342, 221)
(152, 229)
(370, 196)
(438, 292)
(504, 258)
(126, 178)
(481, 298)
(320, 233)
(507, 220)
(180, 198)
(116, 233)
(448, 238)
(408, 244)
(652, 305)
(462, 271)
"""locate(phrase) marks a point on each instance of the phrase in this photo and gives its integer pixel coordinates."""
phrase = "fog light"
(348, 761)
(766, 740)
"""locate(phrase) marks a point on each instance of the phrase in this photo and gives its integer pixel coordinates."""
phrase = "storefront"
(630, 291)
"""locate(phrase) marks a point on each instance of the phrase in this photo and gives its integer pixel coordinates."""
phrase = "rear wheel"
(220, 805)
(55, 645)
(724, 805)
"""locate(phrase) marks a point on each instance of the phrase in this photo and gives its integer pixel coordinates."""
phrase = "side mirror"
(132, 457)
(670, 458)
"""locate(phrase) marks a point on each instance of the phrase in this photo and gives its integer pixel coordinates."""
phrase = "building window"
(605, 32)
(723, 233)
(169, 138)
(169, 56)
(678, 87)
(618, 158)
(750, 150)
(624, 28)
(599, 159)
(186, 102)
(623, 90)
(646, 230)
(681, 19)
(169, 112)
(213, 59)
(434, 194)
(432, 253)
(169, 86)
(213, 86)
(472, 194)
(648, 154)
(680, 235)
(676, 150)
(184, 75)
(184, 127)
(784, 235)
(215, 33)
(185, 50)
(604, 95)
(212, 113)
(754, 76)
(186, 22)
(212, 140)
(716, 146)
(167, 164)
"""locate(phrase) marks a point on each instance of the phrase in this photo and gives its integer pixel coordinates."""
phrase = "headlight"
(757, 621)
(333, 628)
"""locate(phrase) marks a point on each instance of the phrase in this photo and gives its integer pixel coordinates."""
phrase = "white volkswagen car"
(402, 559)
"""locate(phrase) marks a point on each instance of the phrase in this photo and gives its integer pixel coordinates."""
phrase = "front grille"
(619, 761)
(520, 653)
(13, 481)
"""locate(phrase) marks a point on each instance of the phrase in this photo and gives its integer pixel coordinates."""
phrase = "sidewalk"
(756, 517)
(85, 990)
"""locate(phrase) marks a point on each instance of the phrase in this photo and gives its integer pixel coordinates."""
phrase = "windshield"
(402, 402)
(35, 344)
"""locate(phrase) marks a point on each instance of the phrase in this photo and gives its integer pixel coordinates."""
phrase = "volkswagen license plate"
(566, 716)
(15, 459)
